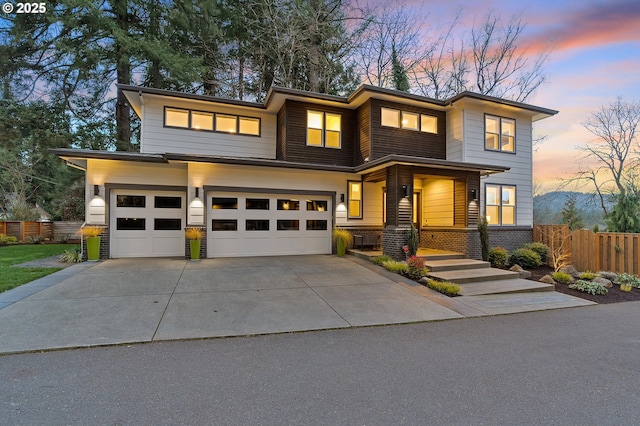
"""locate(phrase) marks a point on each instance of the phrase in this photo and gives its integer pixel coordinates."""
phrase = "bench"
(366, 240)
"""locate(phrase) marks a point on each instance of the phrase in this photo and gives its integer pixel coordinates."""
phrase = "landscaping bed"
(614, 294)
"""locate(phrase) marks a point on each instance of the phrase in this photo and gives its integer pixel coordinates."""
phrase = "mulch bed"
(614, 295)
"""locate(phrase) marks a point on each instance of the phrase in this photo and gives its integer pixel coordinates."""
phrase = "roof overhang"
(405, 160)
(536, 112)
(78, 158)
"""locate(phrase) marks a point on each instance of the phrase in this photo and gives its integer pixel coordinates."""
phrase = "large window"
(210, 121)
(500, 133)
(390, 117)
(500, 204)
(323, 129)
(355, 199)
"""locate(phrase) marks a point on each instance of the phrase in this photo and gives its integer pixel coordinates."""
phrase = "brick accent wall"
(467, 240)
(203, 244)
(392, 241)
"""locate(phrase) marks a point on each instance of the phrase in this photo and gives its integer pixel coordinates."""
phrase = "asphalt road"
(564, 367)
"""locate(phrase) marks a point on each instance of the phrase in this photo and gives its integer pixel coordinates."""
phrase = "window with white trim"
(500, 133)
(500, 204)
(324, 129)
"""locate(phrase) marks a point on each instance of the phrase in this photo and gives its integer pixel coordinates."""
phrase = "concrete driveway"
(141, 300)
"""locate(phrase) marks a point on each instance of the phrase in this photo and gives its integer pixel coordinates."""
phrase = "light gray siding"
(159, 139)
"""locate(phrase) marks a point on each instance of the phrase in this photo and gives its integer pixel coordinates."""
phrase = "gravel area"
(47, 262)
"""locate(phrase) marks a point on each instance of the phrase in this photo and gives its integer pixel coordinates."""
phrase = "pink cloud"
(592, 26)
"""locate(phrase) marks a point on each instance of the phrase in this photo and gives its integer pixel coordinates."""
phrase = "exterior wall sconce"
(96, 209)
(474, 194)
(342, 198)
(406, 190)
(196, 210)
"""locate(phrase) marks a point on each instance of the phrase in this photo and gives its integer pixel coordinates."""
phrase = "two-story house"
(275, 178)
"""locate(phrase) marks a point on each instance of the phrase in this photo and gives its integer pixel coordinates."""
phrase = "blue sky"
(595, 57)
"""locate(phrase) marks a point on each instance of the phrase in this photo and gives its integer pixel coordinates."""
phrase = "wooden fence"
(602, 251)
(24, 230)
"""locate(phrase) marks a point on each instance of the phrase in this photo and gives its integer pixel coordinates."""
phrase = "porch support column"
(399, 206)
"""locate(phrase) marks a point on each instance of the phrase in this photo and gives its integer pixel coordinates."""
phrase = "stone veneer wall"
(203, 244)
(467, 240)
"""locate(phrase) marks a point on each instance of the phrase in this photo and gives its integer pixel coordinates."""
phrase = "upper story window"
(201, 120)
(323, 129)
(390, 117)
(500, 133)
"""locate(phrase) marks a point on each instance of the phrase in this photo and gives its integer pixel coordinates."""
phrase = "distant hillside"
(547, 208)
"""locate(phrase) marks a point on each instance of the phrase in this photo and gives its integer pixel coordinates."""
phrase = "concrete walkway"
(142, 300)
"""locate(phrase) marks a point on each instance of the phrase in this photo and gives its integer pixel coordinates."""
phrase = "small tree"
(570, 214)
(625, 215)
(483, 227)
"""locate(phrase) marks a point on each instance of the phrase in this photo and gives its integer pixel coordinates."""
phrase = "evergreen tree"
(570, 214)
(625, 215)
(400, 80)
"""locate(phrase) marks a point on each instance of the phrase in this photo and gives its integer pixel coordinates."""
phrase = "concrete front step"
(439, 257)
(455, 264)
(516, 285)
(474, 275)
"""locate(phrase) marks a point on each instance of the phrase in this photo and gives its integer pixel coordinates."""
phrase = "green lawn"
(11, 277)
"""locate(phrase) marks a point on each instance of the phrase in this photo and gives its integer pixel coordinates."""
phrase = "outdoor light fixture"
(342, 198)
(97, 208)
(406, 189)
(196, 210)
(474, 194)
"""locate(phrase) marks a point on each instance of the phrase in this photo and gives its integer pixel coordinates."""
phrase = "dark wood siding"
(363, 133)
(398, 207)
(281, 134)
(387, 140)
(295, 144)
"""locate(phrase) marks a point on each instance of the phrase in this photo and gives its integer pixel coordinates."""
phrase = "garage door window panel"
(288, 204)
(139, 201)
(257, 204)
(167, 202)
(223, 203)
(257, 225)
(224, 225)
(316, 205)
(130, 224)
(167, 224)
(288, 225)
(316, 225)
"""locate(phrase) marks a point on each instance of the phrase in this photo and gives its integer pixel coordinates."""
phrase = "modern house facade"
(274, 178)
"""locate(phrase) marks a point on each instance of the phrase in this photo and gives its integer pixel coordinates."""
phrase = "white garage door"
(147, 223)
(254, 224)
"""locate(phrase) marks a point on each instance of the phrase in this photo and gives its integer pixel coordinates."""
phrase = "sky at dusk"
(595, 57)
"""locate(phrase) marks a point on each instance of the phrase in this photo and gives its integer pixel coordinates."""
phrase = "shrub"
(444, 287)
(526, 258)
(416, 268)
(499, 257)
(542, 249)
(4, 239)
(628, 279)
(35, 239)
(588, 275)
(396, 267)
(71, 256)
(483, 229)
(589, 287)
(62, 238)
(379, 260)
(562, 277)
(413, 240)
